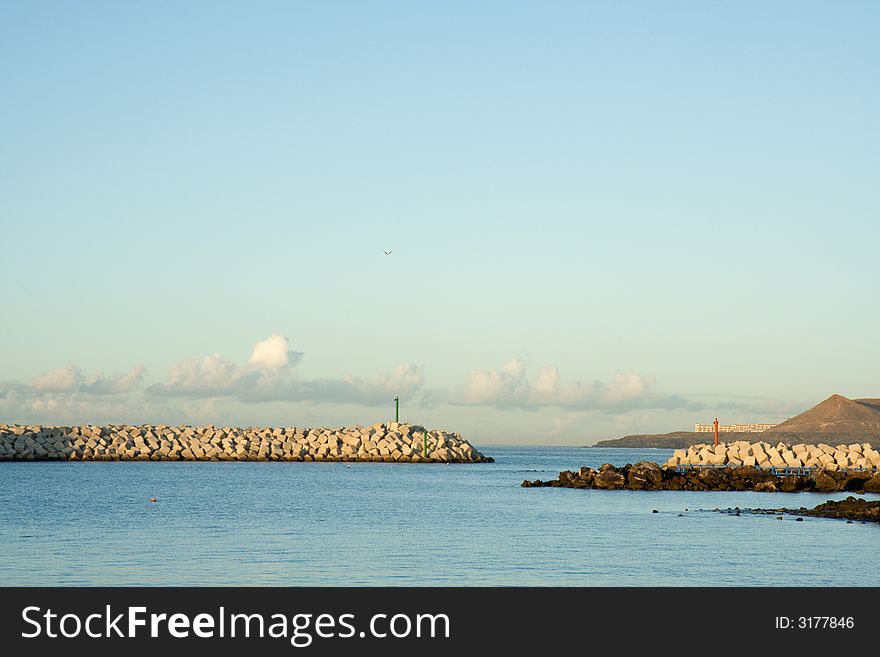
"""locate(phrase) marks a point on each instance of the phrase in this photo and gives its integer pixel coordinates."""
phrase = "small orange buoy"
(152, 499)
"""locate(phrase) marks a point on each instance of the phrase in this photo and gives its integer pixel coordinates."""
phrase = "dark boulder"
(586, 476)
(609, 478)
(828, 481)
(714, 479)
(574, 480)
(674, 483)
(644, 475)
(790, 484)
(873, 484)
(749, 476)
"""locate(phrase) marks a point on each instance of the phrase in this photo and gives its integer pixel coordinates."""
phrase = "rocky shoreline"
(387, 442)
(851, 509)
(647, 475)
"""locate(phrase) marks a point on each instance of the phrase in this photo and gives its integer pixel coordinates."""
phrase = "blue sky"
(605, 218)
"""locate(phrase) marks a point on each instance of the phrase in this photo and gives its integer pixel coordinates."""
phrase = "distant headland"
(837, 419)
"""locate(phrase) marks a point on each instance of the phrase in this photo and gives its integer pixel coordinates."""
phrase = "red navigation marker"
(716, 431)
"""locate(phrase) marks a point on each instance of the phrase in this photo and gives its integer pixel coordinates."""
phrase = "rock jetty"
(647, 475)
(389, 442)
(780, 455)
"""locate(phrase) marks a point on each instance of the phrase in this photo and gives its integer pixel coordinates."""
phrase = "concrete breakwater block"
(763, 454)
(390, 442)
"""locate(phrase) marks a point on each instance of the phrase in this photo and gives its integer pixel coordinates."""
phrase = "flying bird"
(387, 252)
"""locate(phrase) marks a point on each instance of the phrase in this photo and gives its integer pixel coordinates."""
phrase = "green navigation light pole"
(397, 409)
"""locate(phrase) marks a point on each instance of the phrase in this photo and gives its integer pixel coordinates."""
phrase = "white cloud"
(66, 393)
(269, 376)
(114, 385)
(511, 388)
(70, 380)
(62, 379)
(404, 379)
(215, 376)
(507, 387)
(199, 377)
(273, 354)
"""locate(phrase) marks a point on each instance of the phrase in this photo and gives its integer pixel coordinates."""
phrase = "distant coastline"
(671, 440)
(837, 419)
(685, 439)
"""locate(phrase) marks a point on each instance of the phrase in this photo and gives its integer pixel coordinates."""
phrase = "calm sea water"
(383, 524)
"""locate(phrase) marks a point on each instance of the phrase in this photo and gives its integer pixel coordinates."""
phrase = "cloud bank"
(71, 380)
(66, 392)
(269, 375)
(509, 387)
(215, 376)
(269, 387)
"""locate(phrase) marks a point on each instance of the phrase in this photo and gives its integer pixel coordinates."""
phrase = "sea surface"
(231, 523)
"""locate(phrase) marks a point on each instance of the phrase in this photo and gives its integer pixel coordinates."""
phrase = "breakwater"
(781, 455)
(390, 442)
(646, 475)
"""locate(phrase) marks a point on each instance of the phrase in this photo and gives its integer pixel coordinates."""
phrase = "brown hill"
(834, 421)
(835, 417)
